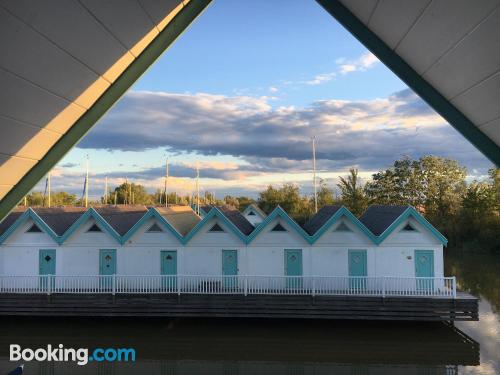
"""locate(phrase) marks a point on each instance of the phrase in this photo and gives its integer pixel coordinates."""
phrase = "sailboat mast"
(197, 188)
(314, 174)
(87, 183)
(166, 183)
(48, 188)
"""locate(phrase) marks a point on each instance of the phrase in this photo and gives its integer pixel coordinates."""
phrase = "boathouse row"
(137, 240)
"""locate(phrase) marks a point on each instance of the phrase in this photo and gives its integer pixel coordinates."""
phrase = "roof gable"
(337, 215)
(91, 213)
(215, 213)
(279, 212)
(151, 213)
(21, 219)
(411, 212)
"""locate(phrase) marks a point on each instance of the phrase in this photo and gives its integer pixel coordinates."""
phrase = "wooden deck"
(464, 307)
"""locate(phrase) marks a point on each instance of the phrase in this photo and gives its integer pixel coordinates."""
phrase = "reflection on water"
(479, 274)
(248, 347)
(277, 346)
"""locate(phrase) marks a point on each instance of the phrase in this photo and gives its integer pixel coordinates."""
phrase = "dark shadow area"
(242, 346)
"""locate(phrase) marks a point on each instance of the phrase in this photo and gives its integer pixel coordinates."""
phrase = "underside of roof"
(65, 63)
(447, 51)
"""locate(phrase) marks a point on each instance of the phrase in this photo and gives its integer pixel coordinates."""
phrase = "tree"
(62, 198)
(325, 195)
(287, 197)
(431, 184)
(130, 193)
(352, 193)
(443, 184)
(399, 185)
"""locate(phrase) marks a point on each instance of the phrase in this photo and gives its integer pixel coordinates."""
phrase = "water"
(292, 347)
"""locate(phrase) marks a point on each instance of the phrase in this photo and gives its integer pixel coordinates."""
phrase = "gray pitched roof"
(206, 208)
(122, 218)
(377, 218)
(320, 218)
(235, 216)
(10, 219)
(182, 218)
(59, 219)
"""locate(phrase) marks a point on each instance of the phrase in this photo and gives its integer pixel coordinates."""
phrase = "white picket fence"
(241, 284)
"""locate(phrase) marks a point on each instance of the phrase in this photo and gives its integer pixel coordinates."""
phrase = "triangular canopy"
(59, 78)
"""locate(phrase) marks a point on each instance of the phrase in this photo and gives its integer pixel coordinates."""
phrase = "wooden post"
(383, 286)
(246, 285)
(114, 284)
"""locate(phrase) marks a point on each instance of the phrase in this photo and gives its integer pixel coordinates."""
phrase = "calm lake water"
(228, 347)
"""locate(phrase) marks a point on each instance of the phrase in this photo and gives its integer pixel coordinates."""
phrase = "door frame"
(424, 284)
(43, 280)
(293, 283)
(169, 280)
(106, 281)
(357, 283)
(229, 282)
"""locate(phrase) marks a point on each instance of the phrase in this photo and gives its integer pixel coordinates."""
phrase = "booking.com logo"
(81, 355)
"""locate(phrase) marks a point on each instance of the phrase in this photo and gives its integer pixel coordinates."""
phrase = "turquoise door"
(230, 267)
(357, 269)
(169, 269)
(107, 267)
(424, 267)
(46, 266)
(293, 268)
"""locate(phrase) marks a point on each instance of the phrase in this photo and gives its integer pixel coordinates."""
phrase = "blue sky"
(242, 91)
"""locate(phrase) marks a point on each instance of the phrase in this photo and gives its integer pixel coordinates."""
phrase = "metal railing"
(239, 284)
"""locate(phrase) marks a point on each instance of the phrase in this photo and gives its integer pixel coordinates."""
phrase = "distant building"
(254, 214)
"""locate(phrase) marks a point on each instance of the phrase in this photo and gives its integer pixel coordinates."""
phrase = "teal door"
(169, 269)
(424, 267)
(230, 267)
(46, 266)
(293, 268)
(107, 267)
(357, 269)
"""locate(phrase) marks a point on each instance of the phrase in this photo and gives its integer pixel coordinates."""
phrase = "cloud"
(321, 78)
(69, 165)
(273, 89)
(344, 66)
(367, 134)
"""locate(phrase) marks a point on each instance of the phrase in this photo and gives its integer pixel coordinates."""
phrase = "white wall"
(202, 255)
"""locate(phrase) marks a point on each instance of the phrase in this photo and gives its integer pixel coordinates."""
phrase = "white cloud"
(344, 66)
(370, 134)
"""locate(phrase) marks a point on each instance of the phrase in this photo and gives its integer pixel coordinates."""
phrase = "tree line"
(467, 213)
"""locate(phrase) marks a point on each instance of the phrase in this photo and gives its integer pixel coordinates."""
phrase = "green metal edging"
(408, 75)
(150, 54)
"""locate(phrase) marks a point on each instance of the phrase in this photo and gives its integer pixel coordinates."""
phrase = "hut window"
(216, 228)
(34, 229)
(409, 228)
(154, 228)
(343, 228)
(94, 228)
(278, 228)
(251, 213)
